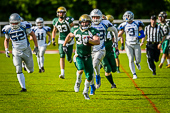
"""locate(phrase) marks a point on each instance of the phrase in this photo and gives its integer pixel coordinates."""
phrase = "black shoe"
(154, 72)
(23, 90)
(42, 69)
(25, 69)
(113, 86)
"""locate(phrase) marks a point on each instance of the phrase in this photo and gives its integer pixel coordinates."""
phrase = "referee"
(154, 41)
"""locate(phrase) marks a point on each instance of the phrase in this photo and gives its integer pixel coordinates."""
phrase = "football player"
(132, 46)
(115, 43)
(85, 36)
(99, 51)
(166, 44)
(41, 31)
(21, 51)
(62, 24)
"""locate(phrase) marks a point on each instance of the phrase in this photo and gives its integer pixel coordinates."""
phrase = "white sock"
(92, 81)
(168, 61)
(86, 86)
(38, 60)
(132, 67)
(162, 60)
(42, 61)
(62, 71)
(78, 77)
(21, 80)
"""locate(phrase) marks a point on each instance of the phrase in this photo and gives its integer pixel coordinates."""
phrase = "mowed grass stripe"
(143, 93)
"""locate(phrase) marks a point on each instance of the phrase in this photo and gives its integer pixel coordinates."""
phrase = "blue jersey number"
(102, 34)
(131, 31)
(17, 36)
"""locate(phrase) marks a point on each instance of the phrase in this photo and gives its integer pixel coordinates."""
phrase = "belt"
(152, 42)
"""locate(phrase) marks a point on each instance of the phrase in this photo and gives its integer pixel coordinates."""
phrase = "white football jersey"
(41, 34)
(18, 37)
(102, 28)
(131, 30)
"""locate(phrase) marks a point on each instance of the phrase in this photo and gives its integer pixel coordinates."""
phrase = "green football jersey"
(81, 48)
(63, 27)
(166, 28)
(108, 42)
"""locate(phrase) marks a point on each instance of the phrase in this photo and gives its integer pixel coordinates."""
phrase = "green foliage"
(47, 93)
(30, 10)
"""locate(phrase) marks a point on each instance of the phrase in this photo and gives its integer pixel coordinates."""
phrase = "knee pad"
(18, 69)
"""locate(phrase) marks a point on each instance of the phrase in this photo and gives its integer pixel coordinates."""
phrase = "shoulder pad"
(139, 23)
(48, 29)
(54, 21)
(107, 23)
(122, 25)
(6, 28)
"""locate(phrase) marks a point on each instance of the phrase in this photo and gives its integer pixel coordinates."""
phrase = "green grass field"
(47, 93)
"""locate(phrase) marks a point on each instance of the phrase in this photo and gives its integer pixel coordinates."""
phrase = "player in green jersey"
(165, 25)
(62, 24)
(85, 36)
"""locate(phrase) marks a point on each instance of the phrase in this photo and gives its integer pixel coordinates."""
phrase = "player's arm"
(120, 34)
(49, 36)
(34, 38)
(95, 40)
(54, 35)
(6, 45)
(69, 36)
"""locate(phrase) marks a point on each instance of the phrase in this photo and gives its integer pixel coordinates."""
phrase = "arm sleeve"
(142, 34)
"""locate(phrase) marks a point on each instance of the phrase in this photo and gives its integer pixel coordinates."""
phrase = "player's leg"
(97, 58)
(38, 60)
(28, 59)
(130, 53)
(17, 61)
(137, 53)
(89, 75)
(165, 51)
(62, 61)
(117, 60)
(69, 53)
(41, 55)
(80, 68)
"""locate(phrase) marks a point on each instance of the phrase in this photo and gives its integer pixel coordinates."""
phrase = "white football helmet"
(96, 13)
(39, 22)
(128, 16)
(14, 21)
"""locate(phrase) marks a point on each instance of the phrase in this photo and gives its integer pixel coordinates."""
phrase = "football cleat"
(160, 65)
(135, 76)
(154, 72)
(92, 92)
(70, 61)
(61, 76)
(113, 86)
(23, 90)
(86, 96)
(138, 66)
(77, 86)
(98, 81)
(168, 66)
(42, 68)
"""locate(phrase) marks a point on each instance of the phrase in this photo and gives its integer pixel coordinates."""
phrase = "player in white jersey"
(132, 46)
(21, 51)
(41, 31)
(98, 51)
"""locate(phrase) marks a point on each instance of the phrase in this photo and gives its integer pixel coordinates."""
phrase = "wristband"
(53, 39)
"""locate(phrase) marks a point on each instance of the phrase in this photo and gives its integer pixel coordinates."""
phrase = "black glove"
(65, 49)
(53, 42)
(117, 52)
(36, 50)
(7, 53)
(122, 47)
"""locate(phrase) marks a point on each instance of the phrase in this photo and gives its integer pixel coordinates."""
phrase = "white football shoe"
(86, 96)
(61, 76)
(77, 86)
(135, 76)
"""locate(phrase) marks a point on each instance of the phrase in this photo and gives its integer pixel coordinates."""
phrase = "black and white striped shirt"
(154, 34)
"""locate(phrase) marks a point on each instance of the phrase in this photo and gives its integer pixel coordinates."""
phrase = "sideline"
(56, 51)
(143, 93)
